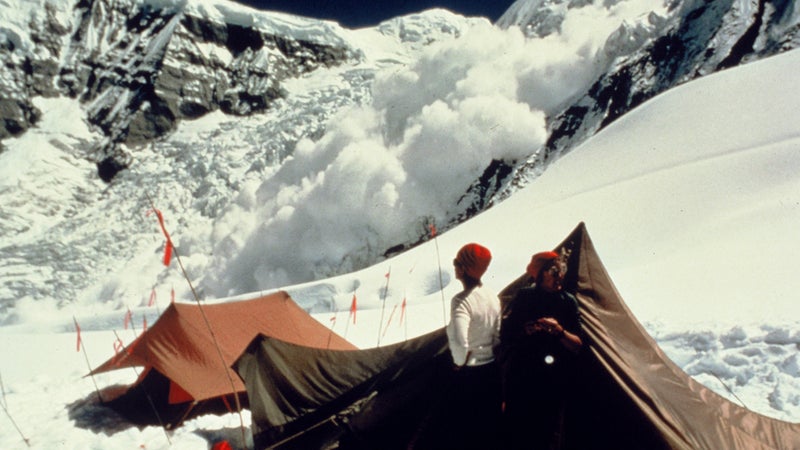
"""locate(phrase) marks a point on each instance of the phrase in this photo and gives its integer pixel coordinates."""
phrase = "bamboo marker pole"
(208, 325)
(86, 357)
(383, 302)
(441, 282)
(4, 404)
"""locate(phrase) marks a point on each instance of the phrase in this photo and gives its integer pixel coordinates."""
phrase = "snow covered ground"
(692, 200)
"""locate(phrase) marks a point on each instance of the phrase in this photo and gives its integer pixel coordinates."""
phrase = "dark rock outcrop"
(140, 70)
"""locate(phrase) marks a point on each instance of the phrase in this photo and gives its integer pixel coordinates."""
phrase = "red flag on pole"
(402, 311)
(127, 320)
(167, 252)
(353, 308)
(168, 245)
(432, 229)
(78, 332)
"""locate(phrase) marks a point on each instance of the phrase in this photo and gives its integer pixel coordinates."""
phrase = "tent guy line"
(169, 248)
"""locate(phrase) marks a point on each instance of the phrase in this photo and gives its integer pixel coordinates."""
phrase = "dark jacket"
(537, 354)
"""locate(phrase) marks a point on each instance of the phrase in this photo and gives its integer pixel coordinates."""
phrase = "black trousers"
(469, 414)
(535, 399)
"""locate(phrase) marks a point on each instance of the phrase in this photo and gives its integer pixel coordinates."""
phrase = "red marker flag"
(402, 311)
(78, 331)
(353, 308)
(168, 245)
(167, 252)
(432, 229)
(127, 320)
(118, 346)
(152, 297)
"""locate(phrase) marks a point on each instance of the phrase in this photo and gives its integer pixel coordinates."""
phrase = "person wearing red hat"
(474, 326)
(471, 413)
(541, 336)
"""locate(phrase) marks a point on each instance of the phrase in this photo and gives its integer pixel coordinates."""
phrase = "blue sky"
(360, 13)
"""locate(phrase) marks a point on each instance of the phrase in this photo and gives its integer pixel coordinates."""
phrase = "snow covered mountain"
(699, 237)
(139, 68)
(692, 199)
(664, 48)
(282, 149)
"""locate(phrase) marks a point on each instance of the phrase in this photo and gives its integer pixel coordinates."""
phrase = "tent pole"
(330, 418)
(187, 412)
(729, 389)
(211, 332)
(149, 399)
(300, 433)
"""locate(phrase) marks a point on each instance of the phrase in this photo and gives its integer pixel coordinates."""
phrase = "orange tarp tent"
(184, 367)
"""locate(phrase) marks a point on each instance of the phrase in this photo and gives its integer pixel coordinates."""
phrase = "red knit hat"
(221, 445)
(474, 259)
(538, 261)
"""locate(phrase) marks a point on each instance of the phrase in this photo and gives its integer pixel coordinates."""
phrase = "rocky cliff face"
(139, 70)
(647, 60)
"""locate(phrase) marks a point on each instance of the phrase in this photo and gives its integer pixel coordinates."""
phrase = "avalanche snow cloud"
(385, 171)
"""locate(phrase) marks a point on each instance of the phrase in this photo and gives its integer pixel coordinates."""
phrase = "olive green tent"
(630, 395)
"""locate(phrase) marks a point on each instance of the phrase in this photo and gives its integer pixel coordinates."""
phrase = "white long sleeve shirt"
(474, 327)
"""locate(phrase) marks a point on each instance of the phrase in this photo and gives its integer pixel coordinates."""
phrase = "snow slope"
(348, 160)
(692, 200)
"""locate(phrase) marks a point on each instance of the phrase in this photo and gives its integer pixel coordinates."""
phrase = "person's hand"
(550, 326)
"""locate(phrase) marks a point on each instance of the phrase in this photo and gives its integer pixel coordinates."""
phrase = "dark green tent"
(631, 396)
(310, 398)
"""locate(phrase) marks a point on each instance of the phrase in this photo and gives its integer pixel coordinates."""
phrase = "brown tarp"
(629, 395)
(313, 398)
(181, 362)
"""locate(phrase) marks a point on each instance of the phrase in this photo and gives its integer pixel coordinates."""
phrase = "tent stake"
(211, 332)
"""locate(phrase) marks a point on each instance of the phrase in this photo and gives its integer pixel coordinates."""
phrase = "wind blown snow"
(382, 172)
